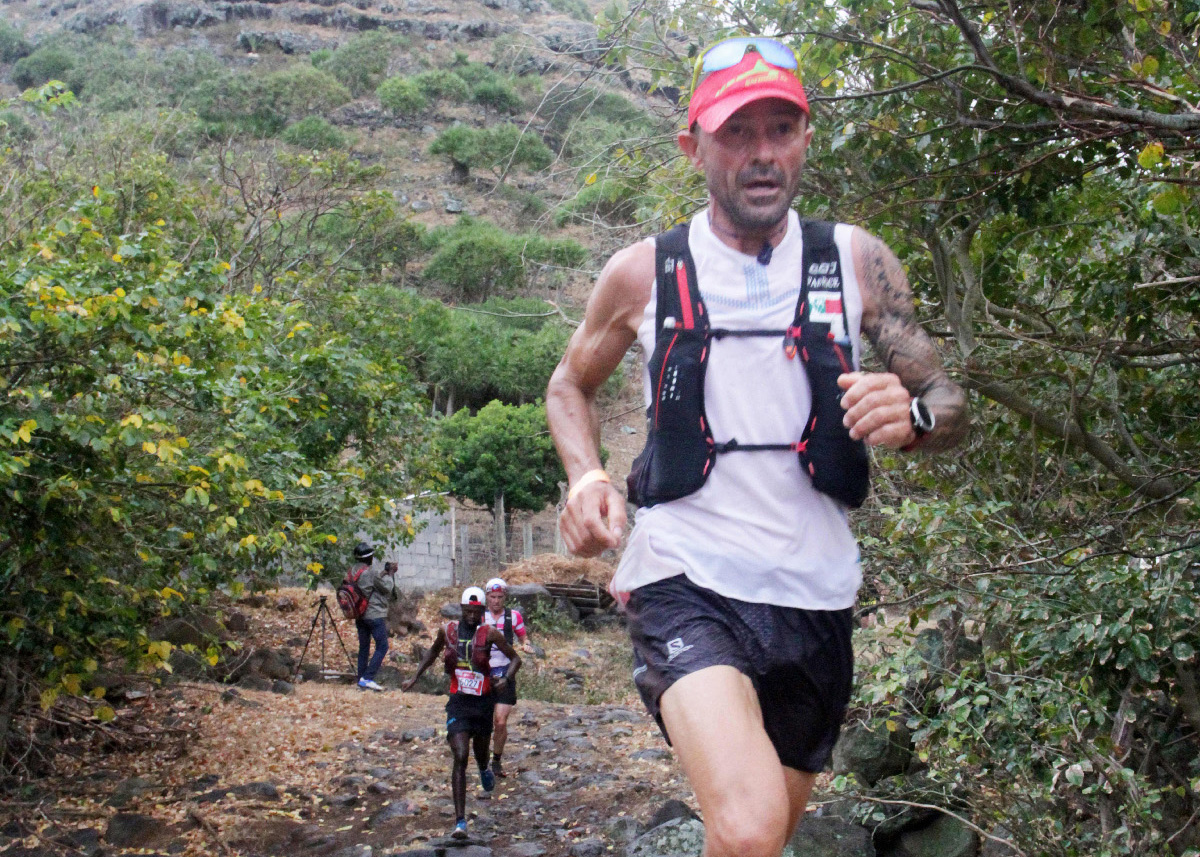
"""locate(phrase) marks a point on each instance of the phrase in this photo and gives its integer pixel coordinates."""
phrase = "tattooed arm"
(877, 403)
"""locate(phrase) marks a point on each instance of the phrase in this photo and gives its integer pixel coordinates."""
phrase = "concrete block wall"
(429, 561)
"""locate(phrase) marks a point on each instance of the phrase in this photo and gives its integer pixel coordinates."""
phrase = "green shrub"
(443, 84)
(12, 43)
(610, 199)
(301, 90)
(586, 122)
(529, 314)
(236, 104)
(498, 148)
(402, 96)
(48, 63)
(319, 56)
(361, 63)
(371, 243)
(475, 260)
(189, 74)
(528, 203)
(314, 132)
(499, 95)
(14, 127)
(575, 8)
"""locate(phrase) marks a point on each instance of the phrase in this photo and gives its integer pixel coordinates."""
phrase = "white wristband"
(588, 478)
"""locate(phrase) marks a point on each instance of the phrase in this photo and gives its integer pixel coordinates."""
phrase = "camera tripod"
(325, 617)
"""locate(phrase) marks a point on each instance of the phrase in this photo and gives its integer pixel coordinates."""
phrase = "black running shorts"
(472, 714)
(799, 661)
(507, 694)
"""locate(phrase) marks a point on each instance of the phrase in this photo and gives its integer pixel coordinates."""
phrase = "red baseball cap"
(724, 92)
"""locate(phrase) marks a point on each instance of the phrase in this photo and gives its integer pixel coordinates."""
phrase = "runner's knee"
(737, 832)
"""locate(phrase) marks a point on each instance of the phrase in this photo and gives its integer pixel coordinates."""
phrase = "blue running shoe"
(460, 829)
(488, 779)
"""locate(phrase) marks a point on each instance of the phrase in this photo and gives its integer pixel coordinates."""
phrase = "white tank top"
(757, 530)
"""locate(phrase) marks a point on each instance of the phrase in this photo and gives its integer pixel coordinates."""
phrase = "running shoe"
(362, 684)
(488, 779)
(367, 684)
(460, 829)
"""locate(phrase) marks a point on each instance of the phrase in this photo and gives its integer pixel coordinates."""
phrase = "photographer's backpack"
(350, 596)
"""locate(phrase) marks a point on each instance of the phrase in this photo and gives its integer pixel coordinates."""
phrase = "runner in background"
(510, 623)
(467, 647)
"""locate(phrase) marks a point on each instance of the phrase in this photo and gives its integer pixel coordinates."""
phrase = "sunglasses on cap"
(729, 52)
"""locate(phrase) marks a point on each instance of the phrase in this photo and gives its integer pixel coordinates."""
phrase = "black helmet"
(364, 552)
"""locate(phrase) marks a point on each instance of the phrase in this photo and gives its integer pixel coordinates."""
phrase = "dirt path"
(331, 770)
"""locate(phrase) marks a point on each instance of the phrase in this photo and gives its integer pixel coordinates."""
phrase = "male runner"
(741, 571)
(512, 625)
(468, 645)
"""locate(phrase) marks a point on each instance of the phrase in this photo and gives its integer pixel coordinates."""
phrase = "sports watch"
(922, 418)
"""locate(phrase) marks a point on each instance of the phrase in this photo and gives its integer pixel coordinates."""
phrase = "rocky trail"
(278, 758)
(321, 768)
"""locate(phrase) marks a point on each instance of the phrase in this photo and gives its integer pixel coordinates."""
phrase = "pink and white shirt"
(499, 659)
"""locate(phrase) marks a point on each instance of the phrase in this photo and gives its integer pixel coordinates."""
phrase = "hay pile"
(552, 568)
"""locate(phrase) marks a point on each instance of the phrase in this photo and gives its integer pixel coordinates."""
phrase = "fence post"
(560, 546)
(465, 554)
(527, 536)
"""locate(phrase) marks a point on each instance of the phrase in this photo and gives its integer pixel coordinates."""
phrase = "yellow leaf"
(59, 651)
(891, 726)
(591, 179)
(104, 713)
(315, 567)
(149, 447)
(25, 432)
(95, 190)
(305, 480)
(116, 257)
(48, 698)
(71, 684)
(1151, 155)
(133, 419)
(332, 539)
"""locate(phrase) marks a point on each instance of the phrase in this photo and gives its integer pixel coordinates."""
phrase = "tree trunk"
(10, 698)
(501, 540)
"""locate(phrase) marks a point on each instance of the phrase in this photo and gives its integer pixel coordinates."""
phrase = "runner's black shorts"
(507, 694)
(800, 661)
(471, 714)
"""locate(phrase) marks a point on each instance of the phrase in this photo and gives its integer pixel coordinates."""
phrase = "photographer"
(379, 588)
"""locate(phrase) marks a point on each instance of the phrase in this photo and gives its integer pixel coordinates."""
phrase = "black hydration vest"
(680, 449)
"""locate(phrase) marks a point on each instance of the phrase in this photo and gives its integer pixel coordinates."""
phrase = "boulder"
(945, 837)
(872, 753)
(829, 837)
(677, 838)
(195, 630)
(132, 830)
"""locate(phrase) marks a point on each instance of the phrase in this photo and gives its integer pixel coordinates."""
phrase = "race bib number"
(469, 682)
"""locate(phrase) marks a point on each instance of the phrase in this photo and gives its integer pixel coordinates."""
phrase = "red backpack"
(350, 596)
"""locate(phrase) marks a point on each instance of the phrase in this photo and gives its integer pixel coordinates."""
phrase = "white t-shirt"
(756, 530)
